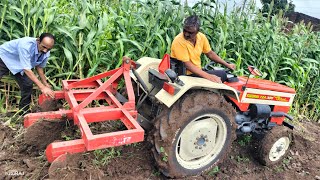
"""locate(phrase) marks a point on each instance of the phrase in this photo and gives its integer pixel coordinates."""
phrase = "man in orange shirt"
(188, 46)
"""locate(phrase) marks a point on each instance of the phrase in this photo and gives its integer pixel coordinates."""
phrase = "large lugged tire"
(194, 135)
(274, 146)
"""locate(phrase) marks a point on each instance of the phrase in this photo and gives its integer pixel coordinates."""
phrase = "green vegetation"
(156, 173)
(275, 6)
(164, 155)
(278, 169)
(104, 156)
(66, 137)
(93, 35)
(287, 160)
(214, 171)
(241, 159)
(245, 140)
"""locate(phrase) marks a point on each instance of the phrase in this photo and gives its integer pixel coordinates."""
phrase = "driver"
(188, 46)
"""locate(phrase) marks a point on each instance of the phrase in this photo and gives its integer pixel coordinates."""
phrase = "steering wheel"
(209, 66)
(230, 76)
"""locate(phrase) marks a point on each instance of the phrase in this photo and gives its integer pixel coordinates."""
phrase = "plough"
(79, 94)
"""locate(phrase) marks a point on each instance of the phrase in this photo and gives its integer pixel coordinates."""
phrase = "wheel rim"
(279, 148)
(201, 141)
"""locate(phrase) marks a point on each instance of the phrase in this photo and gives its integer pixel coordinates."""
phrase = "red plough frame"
(93, 89)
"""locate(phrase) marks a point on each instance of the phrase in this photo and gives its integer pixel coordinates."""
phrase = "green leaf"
(68, 55)
(14, 18)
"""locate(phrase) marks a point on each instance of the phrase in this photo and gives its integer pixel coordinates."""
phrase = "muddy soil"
(19, 159)
(47, 105)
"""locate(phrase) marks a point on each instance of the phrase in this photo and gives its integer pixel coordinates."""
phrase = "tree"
(276, 6)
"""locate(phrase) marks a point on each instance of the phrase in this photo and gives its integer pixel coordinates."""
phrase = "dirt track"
(19, 160)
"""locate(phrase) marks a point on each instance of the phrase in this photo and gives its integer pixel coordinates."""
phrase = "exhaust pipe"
(281, 114)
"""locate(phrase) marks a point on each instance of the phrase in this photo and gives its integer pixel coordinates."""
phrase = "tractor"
(191, 122)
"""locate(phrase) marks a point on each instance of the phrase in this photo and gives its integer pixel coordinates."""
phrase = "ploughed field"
(22, 156)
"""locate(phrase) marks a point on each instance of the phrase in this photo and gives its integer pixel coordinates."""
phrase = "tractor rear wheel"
(193, 135)
(274, 146)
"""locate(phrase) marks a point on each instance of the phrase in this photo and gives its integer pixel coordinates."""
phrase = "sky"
(309, 7)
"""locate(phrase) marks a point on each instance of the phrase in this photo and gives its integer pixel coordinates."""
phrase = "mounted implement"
(79, 94)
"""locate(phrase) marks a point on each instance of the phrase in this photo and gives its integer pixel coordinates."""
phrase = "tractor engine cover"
(259, 111)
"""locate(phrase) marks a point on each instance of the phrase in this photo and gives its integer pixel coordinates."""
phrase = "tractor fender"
(194, 83)
(146, 63)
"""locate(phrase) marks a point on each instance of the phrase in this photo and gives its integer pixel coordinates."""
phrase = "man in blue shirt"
(19, 56)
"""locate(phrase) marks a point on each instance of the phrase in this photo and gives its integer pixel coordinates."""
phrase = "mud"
(74, 167)
(43, 132)
(47, 105)
(19, 160)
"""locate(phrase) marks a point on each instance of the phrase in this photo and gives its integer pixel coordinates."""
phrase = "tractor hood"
(260, 84)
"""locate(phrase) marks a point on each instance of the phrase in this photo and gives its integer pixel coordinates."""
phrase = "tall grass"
(93, 35)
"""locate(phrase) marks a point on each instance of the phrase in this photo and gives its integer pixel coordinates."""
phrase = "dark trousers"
(220, 73)
(24, 83)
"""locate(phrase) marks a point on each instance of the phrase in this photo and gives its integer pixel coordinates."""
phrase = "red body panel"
(279, 120)
(164, 64)
(261, 85)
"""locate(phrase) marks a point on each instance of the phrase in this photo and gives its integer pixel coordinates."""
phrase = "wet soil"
(23, 158)
(43, 132)
(47, 105)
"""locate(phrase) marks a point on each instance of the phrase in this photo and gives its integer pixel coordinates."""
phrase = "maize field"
(93, 36)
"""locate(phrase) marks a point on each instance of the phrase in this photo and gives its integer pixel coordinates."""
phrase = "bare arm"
(194, 69)
(42, 76)
(214, 57)
(44, 89)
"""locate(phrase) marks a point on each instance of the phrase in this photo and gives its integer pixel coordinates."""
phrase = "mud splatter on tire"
(193, 108)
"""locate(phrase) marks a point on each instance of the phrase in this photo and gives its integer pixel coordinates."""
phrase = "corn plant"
(93, 35)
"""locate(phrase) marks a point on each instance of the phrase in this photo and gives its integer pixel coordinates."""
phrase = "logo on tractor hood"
(268, 97)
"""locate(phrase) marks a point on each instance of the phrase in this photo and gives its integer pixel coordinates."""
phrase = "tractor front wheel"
(274, 146)
(194, 135)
